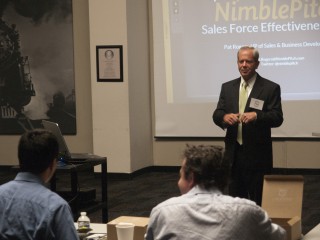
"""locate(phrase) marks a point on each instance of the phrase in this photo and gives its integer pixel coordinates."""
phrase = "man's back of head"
(207, 164)
(37, 149)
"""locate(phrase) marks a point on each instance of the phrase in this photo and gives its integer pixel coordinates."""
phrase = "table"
(96, 227)
(314, 234)
(74, 169)
(99, 231)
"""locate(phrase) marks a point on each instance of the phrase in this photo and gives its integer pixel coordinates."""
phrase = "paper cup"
(125, 231)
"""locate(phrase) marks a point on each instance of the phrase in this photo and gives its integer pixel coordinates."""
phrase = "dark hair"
(208, 165)
(36, 150)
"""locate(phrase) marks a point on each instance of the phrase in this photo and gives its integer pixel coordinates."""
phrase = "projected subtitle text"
(264, 27)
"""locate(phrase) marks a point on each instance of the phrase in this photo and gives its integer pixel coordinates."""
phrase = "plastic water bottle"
(83, 221)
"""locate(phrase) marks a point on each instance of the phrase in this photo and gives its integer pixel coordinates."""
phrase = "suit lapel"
(256, 90)
(235, 94)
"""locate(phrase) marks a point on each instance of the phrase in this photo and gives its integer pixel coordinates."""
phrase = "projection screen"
(195, 43)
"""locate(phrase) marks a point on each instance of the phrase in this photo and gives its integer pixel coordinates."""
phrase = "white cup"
(125, 231)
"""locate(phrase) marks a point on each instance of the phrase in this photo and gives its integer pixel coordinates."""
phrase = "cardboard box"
(282, 200)
(140, 228)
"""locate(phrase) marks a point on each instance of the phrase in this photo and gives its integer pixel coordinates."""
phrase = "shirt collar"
(29, 177)
(200, 190)
(250, 82)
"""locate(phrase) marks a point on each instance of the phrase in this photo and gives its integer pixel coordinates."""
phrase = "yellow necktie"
(242, 103)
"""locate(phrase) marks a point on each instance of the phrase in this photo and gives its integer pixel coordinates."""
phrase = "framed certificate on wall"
(109, 63)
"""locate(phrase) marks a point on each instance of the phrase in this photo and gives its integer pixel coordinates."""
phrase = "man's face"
(185, 184)
(246, 64)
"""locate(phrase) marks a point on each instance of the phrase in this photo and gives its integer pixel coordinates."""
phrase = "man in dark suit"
(248, 139)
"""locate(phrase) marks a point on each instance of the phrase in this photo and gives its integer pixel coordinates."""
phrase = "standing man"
(28, 209)
(248, 108)
(202, 211)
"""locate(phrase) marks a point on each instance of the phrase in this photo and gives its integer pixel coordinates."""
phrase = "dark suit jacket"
(256, 135)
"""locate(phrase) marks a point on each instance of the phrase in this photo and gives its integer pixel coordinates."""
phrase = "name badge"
(256, 103)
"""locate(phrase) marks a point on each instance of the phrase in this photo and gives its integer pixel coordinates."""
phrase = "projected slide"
(196, 42)
(203, 34)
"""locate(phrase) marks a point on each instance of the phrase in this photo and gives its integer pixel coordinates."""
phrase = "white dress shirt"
(201, 214)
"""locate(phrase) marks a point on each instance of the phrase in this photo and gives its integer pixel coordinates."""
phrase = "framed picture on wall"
(37, 73)
(109, 63)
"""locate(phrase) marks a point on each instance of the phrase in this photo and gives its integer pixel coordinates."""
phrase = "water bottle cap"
(83, 213)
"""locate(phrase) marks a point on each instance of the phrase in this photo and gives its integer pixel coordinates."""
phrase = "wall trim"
(130, 176)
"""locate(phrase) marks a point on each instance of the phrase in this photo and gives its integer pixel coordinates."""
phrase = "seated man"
(28, 209)
(203, 212)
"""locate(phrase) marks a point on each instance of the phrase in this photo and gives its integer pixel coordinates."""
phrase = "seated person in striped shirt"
(203, 211)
